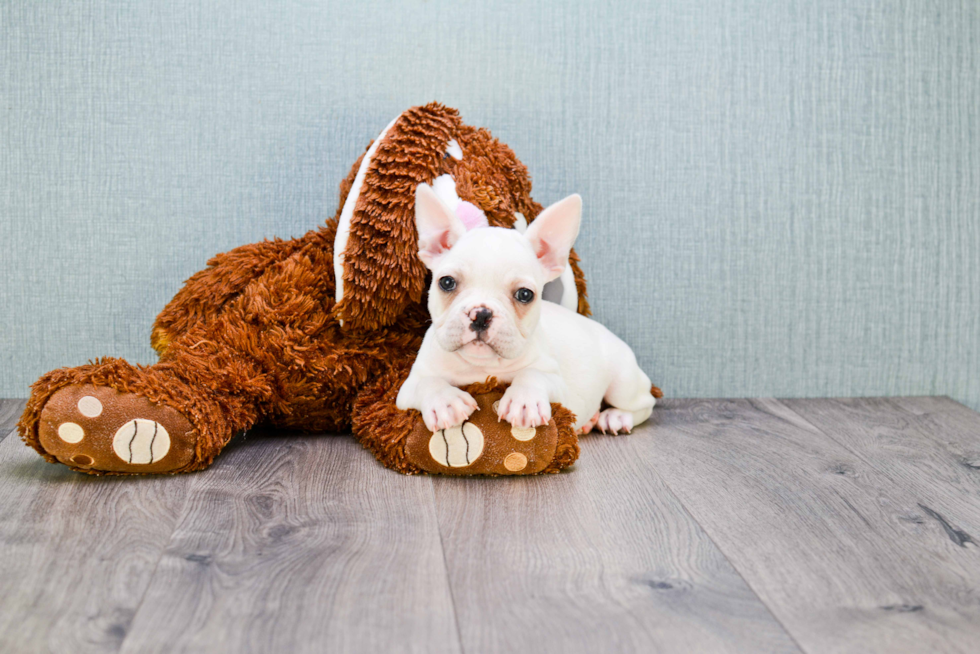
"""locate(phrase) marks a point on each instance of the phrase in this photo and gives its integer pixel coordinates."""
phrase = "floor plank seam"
(156, 567)
(851, 451)
(741, 576)
(445, 567)
(957, 536)
(10, 412)
(853, 517)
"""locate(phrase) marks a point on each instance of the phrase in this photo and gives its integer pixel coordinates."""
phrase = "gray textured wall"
(782, 197)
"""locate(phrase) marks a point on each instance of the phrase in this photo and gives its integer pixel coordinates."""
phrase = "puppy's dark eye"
(447, 283)
(524, 295)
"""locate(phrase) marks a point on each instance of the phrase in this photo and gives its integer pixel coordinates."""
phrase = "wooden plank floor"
(719, 526)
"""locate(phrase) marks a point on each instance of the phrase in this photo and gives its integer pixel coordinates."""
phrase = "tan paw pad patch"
(141, 441)
(71, 432)
(98, 429)
(90, 407)
(523, 433)
(515, 461)
(495, 446)
(457, 447)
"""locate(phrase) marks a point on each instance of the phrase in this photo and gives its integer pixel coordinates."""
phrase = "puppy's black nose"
(480, 319)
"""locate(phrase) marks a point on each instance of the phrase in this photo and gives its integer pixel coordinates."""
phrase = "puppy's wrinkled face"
(485, 298)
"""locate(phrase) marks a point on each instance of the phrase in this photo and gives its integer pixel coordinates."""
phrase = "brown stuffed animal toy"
(316, 333)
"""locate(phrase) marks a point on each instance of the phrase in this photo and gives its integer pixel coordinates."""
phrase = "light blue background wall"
(783, 197)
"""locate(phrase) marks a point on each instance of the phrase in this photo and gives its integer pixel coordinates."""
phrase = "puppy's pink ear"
(439, 228)
(553, 233)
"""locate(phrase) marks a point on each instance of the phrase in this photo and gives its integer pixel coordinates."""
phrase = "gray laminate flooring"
(763, 525)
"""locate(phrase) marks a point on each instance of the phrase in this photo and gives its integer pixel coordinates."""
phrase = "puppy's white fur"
(546, 352)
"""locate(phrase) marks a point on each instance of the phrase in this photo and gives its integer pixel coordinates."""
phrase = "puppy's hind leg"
(628, 396)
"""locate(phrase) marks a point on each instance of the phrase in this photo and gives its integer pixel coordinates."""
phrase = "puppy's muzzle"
(480, 319)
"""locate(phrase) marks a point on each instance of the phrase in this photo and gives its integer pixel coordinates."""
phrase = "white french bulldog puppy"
(488, 319)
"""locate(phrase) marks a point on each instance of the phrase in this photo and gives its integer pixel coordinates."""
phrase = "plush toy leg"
(273, 353)
(110, 417)
(483, 445)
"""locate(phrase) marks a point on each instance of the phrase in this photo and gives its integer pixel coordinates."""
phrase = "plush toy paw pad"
(458, 446)
(515, 461)
(483, 444)
(70, 432)
(98, 429)
(141, 441)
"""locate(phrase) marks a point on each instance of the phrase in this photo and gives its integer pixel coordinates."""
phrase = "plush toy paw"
(484, 445)
(97, 429)
(448, 408)
(524, 407)
(615, 421)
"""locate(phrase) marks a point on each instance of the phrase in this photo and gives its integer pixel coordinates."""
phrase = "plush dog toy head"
(488, 282)
(378, 275)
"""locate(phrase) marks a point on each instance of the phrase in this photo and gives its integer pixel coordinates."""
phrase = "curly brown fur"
(255, 337)
(380, 426)
(383, 429)
(567, 450)
(382, 274)
(214, 421)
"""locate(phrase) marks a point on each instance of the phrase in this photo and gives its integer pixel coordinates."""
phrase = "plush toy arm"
(482, 445)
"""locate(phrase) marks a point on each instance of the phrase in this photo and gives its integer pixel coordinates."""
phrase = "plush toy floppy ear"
(438, 226)
(377, 271)
(553, 233)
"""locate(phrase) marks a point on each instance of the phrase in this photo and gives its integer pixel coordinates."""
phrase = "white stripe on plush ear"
(438, 226)
(553, 233)
(343, 225)
(520, 222)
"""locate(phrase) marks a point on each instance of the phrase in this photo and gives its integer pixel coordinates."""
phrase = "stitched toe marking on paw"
(141, 441)
(515, 461)
(457, 447)
(90, 407)
(71, 432)
(523, 433)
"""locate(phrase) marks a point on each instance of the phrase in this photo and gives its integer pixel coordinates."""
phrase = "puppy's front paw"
(524, 407)
(447, 408)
